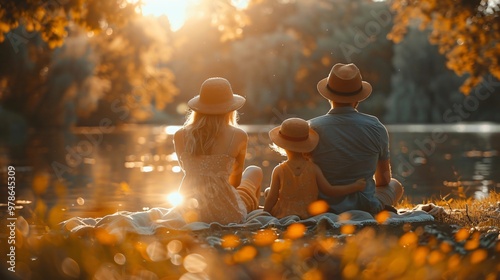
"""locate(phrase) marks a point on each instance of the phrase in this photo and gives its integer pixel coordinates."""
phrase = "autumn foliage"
(52, 17)
(75, 61)
(466, 32)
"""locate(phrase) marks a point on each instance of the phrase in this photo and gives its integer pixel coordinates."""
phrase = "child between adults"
(211, 151)
(295, 182)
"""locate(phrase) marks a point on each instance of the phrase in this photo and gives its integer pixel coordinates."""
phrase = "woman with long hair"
(211, 149)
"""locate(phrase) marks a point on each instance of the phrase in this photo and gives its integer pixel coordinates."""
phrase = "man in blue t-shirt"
(353, 145)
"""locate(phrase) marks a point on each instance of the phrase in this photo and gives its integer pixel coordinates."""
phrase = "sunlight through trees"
(76, 62)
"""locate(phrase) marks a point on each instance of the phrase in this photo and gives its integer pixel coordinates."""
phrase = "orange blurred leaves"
(467, 34)
(318, 207)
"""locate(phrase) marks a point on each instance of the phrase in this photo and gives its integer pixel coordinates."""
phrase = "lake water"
(91, 171)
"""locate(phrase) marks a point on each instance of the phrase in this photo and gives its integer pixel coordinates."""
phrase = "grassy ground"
(463, 243)
(475, 214)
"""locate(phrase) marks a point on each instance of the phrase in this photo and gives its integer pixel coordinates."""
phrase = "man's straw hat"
(344, 84)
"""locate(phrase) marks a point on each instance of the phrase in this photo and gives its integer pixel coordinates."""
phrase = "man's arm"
(383, 173)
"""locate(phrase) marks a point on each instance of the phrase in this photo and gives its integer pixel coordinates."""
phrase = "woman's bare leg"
(249, 188)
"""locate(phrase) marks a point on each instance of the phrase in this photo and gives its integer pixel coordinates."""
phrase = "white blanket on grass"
(148, 222)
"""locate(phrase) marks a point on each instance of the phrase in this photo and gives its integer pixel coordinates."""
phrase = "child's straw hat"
(295, 135)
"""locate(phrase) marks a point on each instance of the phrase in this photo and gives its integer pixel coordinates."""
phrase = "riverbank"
(461, 243)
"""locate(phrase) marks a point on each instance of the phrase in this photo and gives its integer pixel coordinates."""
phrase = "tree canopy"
(70, 60)
(63, 59)
(52, 17)
(467, 32)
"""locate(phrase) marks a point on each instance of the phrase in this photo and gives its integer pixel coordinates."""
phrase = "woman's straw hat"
(294, 135)
(344, 84)
(216, 98)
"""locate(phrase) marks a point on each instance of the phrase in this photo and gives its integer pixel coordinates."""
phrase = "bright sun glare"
(176, 10)
(175, 198)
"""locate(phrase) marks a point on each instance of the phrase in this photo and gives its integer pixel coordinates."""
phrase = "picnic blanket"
(148, 222)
